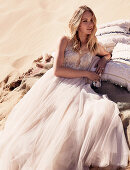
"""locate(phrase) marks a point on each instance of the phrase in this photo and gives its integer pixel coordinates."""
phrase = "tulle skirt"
(62, 124)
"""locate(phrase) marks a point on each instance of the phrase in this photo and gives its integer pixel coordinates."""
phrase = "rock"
(125, 117)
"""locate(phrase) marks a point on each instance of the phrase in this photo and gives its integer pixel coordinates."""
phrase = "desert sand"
(30, 29)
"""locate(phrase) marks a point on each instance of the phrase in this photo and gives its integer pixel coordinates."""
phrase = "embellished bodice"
(75, 60)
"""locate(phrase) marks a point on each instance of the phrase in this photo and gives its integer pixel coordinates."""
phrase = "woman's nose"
(90, 24)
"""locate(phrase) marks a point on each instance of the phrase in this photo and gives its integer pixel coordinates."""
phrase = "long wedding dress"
(62, 124)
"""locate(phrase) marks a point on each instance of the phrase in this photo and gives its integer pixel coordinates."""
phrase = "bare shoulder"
(62, 44)
(99, 47)
(59, 59)
(65, 38)
(101, 50)
(63, 41)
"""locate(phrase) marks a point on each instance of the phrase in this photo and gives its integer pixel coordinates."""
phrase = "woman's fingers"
(99, 70)
(96, 65)
(100, 66)
(98, 77)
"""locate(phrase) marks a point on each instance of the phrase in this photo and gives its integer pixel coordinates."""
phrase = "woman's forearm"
(70, 73)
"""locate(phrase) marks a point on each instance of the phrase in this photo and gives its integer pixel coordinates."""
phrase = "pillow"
(121, 23)
(109, 41)
(112, 29)
(112, 33)
(121, 52)
(115, 72)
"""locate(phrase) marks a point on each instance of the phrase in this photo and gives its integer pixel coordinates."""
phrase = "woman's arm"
(61, 71)
(103, 61)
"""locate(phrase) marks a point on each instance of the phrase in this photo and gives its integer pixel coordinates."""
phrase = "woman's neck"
(83, 38)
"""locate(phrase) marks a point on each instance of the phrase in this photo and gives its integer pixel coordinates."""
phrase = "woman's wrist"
(86, 74)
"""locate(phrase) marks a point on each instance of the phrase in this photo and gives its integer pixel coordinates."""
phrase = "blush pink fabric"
(62, 124)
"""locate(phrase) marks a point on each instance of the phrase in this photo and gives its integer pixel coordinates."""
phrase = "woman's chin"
(88, 33)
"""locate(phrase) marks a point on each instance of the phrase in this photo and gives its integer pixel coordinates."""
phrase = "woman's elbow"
(56, 72)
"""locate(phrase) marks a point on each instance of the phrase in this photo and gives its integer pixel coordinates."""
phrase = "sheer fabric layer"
(62, 123)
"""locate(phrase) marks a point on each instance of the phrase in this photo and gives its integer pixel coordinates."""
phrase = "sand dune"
(27, 28)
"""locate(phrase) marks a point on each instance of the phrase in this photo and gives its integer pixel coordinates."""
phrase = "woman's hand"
(103, 61)
(101, 64)
(93, 76)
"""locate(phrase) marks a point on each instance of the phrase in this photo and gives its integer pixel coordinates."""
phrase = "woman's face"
(86, 25)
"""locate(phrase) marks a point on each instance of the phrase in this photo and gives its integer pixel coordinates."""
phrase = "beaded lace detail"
(74, 60)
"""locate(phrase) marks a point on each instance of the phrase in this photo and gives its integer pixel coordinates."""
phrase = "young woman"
(61, 123)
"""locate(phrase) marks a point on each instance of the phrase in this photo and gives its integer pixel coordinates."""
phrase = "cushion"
(123, 23)
(116, 72)
(112, 33)
(121, 53)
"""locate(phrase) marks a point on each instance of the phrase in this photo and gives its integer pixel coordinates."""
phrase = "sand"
(29, 28)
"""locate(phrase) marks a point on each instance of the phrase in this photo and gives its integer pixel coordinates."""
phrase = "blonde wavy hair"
(73, 26)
